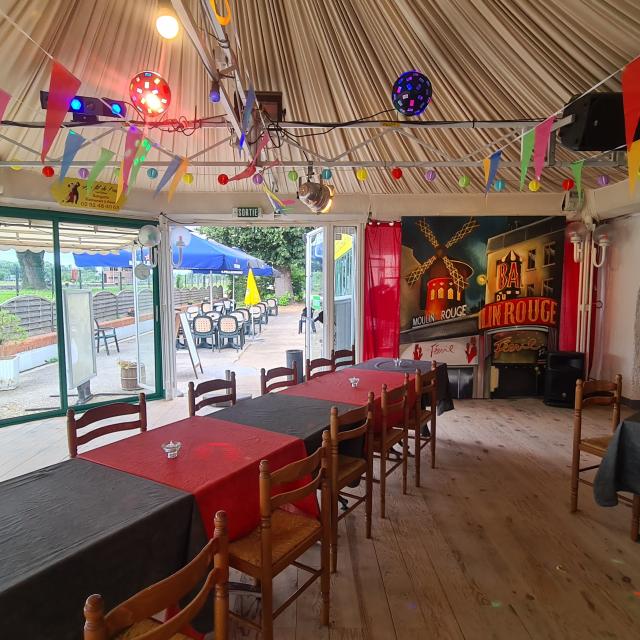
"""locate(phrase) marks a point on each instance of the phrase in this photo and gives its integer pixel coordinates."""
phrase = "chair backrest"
(209, 386)
(290, 376)
(245, 313)
(262, 306)
(218, 306)
(425, 385)
(600, 392)
(99, 414)
(211, 564)
(228, 304)
(203, 326)
(272, 303)
(238, 316)
(318, 367)
(193, 310)
(255, 311)
(344, 358)
(394, 406)
(348, 426)
(206, 307)
(228, 325)
(214, 315)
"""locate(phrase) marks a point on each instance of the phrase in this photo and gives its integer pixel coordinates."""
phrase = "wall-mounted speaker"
(563, 369)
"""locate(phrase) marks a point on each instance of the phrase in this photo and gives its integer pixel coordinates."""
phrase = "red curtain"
(569, 301)
(383, 243)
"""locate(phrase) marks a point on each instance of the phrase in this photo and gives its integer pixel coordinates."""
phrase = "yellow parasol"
(252, 296)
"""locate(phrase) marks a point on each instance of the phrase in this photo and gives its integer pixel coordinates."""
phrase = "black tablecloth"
(620, 467)
(301, 417)
(78, 528)
(443, 392)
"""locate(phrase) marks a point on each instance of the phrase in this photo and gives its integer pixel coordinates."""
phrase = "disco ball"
(411, 93)
(150, 93)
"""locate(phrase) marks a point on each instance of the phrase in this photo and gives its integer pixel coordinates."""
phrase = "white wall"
(621, 327)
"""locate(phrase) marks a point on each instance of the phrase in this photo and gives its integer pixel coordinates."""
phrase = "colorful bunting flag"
(251, 167)
(4, 101)
(134, 136)
(576, 169)
(120, 188)
(526, 151)
(541, 145)
(105, 157)
(63, 86)
(631, 102)
(71, 147)
(168, 174)
(246, 116)
(226, 18)
(141, 155)
(180, 171)
(633, 162)
(491, 169)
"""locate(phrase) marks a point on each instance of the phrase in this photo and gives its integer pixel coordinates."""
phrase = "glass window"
(344, 308)
(441, 293)
(547, 288)
(549, 254)
(531, 290)
(531, 259)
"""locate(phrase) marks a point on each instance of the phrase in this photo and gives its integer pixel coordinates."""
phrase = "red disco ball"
(150, 93)
(223, 179)
(47, 171)
(568, 184)
(396, 173)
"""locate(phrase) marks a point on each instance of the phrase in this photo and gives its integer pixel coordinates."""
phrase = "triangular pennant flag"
(246, 116)
(526, 151)
(71, 146)
(576, 169)
(63, 85)
(120, 181)
(541, 145)
(4, 101)
(633, 164)
(491, 169)
(105, 157)
(180, 171)
(631, 99)
(134, 136)
(141, 155)
(168, 174)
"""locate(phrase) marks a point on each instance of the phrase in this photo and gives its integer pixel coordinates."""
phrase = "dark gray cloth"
(298, 416)
(77, 528)
(443, 392)
(620, 467)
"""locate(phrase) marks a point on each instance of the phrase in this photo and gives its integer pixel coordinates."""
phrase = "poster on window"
(464, 275)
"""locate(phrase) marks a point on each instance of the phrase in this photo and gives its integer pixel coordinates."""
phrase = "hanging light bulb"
(214, 94)
(166, 22)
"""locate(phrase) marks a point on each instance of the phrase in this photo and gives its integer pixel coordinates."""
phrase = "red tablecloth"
(218, 463)
(336, 387)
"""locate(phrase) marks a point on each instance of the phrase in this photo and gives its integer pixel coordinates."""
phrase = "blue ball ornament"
(411, 93)
(152, 173)
(326, 174)
(499, 184)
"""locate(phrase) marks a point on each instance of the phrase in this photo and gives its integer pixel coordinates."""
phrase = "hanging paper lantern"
(187, 178)
(293, 175)
(396, 173)
(116, 173)
(152, 173)
(430, 175)
(257, 178)
(411, 93)
(568, 184)
(47, 171)
(362, 174)
(326, 174)
(499, 185)
(603, 180)
(534, 186)
(464, 181)
(223, 179)
(83, 173)
(150, 93)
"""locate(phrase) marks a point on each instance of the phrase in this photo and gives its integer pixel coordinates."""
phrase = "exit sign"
(247, 212)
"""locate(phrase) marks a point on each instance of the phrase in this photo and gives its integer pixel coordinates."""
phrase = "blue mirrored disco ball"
(411, 93)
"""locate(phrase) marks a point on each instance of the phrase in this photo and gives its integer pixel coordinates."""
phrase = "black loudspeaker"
(598, 123)
(563, 369)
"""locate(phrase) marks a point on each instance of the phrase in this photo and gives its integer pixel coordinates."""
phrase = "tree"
(282, 247)
(32, 268)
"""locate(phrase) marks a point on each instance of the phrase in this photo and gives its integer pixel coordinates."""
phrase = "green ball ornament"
(464, 181)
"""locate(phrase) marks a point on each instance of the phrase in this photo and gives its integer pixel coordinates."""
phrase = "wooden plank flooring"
(485, 549)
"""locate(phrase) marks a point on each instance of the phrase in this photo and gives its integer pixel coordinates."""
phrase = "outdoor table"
(304, 418)
(218, 464)
(77, 528)
(620, 467)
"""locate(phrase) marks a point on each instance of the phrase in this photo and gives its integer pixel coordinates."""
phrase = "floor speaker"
(563, 369)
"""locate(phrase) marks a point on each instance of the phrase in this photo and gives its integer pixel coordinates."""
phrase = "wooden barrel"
(129, 378)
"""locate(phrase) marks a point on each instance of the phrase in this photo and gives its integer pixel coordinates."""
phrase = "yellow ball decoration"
(16, 167)
(481, 279)
(534, 186)
(187, 178)
(362, 174)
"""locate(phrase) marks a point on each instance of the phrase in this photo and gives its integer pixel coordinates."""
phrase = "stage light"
(88, 108)
(116, 108)
(318, 197)
(150, 93)
(214, 94)
(167, 23)
(76, 104)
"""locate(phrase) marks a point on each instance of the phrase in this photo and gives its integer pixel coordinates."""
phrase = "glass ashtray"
(171, 448)
(354, 381)
(397, 361)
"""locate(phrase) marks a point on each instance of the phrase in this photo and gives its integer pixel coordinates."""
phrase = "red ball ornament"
(396, 173)
(223, 179)
(47, 171)
(568, 184)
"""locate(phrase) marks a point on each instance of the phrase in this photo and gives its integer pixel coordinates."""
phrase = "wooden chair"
(132, 618)
(106, 412)
(290, 376)
(345, 470)
(344, 358)
(209, 386)
(283, 536)
(395, 418)
(606, 393)
(425, 386)
(318, 367)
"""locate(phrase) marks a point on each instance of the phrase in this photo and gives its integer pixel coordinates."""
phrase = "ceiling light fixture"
(167, 22)
(317, 196)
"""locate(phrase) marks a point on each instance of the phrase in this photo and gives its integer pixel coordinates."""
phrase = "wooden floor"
(485, 549)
